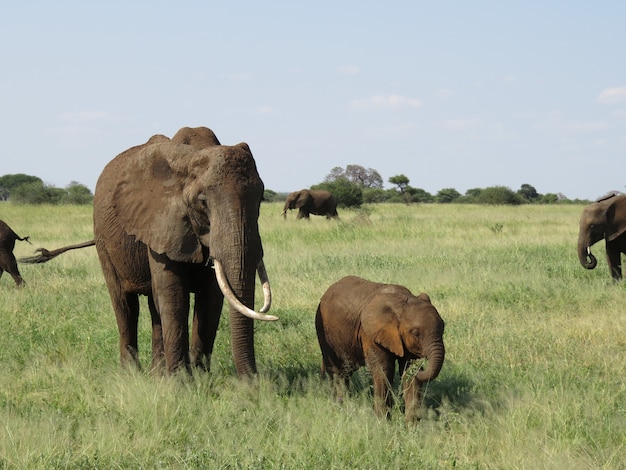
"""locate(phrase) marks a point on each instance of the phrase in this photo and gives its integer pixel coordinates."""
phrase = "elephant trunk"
(435, 358)
(236, 267)
(586, 258)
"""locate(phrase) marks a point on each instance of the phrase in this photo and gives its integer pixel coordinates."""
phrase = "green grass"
(534, 375)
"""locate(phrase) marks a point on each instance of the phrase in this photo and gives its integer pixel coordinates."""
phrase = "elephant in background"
(605, 218)
(175, 218)
(363, 323)
(7, 258)
(311, 201)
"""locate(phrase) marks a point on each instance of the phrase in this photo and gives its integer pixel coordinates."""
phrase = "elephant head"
(406, 325)
(605, 218)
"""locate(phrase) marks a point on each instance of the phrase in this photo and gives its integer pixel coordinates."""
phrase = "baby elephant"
(359, 323)
(7, 258)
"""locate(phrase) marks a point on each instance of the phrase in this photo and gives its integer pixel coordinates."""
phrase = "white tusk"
(232, 298)
(267, 291)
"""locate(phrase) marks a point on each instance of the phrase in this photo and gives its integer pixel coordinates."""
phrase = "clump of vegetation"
(25, 189)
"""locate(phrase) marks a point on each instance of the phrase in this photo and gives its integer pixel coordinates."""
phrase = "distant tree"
(335, 174)
(499, 195)
(372, 195)
(37, 193)
(357, 174)
(10, 181)
(447, 195)
(366, 178)
(418, 195)
(348, 194)
(269, 195)
(549, 198)
(528, 193)
(473, 193)
(400, 181)
(77, 193)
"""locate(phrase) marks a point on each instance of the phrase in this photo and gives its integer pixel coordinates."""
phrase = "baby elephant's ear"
(381, 326)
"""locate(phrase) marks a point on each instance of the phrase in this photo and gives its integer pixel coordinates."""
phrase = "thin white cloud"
(349, 70)
(612, 95)
(385, 102)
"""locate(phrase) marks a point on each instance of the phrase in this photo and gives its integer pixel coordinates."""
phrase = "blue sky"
(453, 94)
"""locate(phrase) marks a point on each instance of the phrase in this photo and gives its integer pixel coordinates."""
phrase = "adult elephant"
(7, 258)
(311, 201)
(165, 215)
(605, 218)
(363, 323)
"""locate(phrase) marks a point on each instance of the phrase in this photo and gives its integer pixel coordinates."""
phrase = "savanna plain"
(534, 376)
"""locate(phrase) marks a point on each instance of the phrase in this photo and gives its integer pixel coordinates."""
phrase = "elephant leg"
(382, 369)
(615, 264)
(171, 299)
(126, 308)
(206, 318)
(10, 265)
(158, 354)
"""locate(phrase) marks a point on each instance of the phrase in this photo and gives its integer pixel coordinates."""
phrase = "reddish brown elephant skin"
(363, 323)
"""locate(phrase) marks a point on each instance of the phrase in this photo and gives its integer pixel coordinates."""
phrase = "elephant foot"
(130, 357)
(200, 361)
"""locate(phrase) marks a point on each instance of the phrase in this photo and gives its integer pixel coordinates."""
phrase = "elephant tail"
(46, 255)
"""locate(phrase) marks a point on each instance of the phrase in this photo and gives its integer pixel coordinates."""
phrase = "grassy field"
(534, 376)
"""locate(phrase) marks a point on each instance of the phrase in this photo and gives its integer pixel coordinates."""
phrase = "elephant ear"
(616, 218)
(380, 323)
(147, 200)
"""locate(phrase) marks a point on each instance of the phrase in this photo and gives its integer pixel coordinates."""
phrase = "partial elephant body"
(8, 262)
(311, 201)
(363, 323)
(605, 218)
(164, 213)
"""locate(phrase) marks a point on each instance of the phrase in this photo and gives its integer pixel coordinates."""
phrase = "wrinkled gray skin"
(606, 219)
(363, 323)
(311, 201)
(164, 212)
(7, 258)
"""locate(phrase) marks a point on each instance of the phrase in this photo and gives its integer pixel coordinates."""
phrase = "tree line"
(26, 189)
(353, 186)
(356, 185)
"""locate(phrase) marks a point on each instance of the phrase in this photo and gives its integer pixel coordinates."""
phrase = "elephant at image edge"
(311, 201)
(7, 258)
(153, 207)
(605, 218)
(360, 322)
